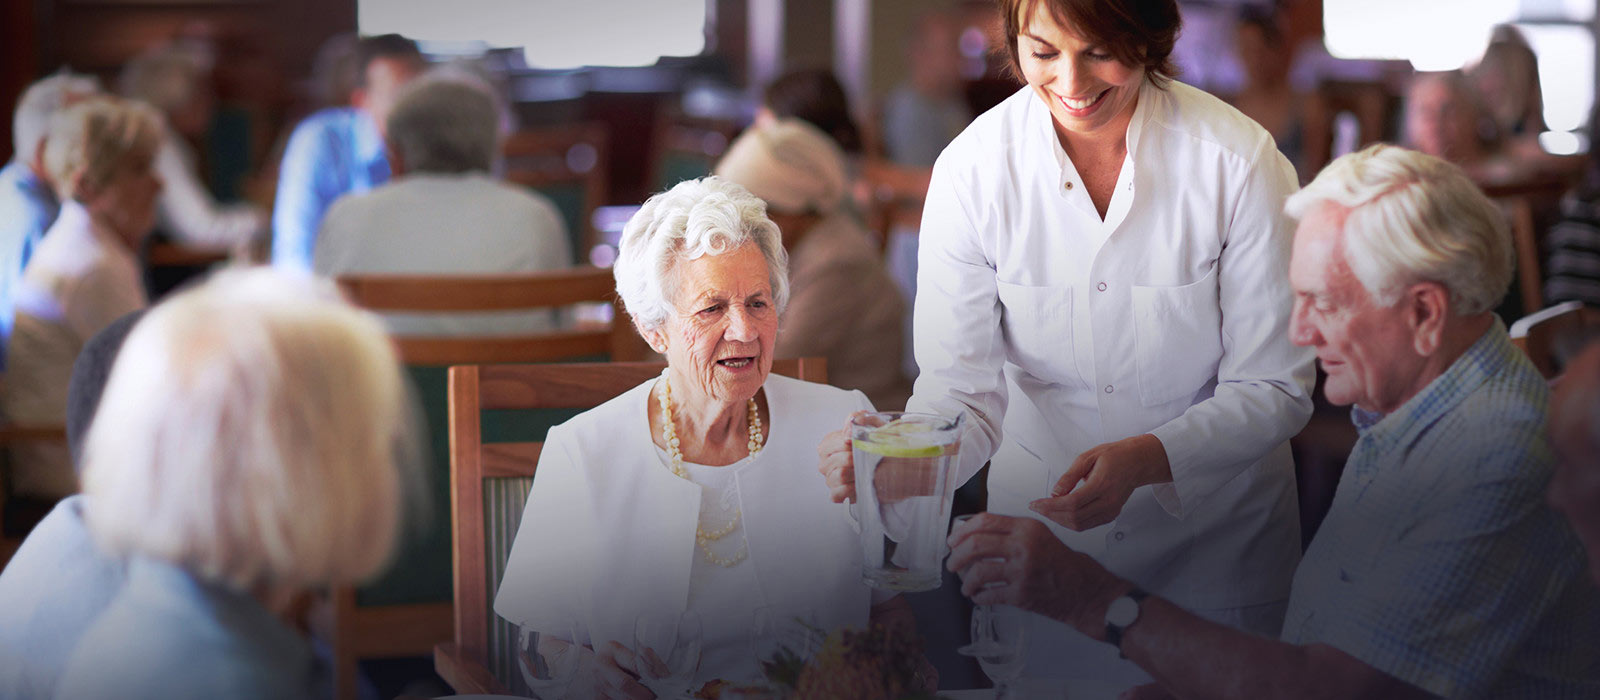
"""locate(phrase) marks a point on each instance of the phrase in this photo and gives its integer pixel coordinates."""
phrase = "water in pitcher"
(903, 464)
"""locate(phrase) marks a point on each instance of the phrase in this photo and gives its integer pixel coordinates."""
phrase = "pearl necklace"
(669, 434)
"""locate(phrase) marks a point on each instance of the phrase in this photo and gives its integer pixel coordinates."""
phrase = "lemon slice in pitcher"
(899, 439)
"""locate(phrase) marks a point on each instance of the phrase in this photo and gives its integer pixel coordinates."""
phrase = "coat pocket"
(1177, 339)
(1037, 324)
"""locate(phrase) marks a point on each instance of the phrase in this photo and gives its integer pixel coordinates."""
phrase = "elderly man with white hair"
(444, 213)
(1440, 569)
(842, 305)
(28, 203)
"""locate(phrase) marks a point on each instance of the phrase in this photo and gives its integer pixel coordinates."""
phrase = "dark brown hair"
(1135, 32)
(815, 96)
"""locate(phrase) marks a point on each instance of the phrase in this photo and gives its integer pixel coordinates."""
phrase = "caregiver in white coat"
(1102, 288)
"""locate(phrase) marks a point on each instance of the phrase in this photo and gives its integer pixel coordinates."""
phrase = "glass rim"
(945, 422)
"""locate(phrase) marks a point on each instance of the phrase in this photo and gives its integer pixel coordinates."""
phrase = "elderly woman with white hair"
(843, 305)
(85, 273)
(238, 467)
(696, 491)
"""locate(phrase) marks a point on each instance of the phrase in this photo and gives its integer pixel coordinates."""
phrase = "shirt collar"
(1046, 128)
(1490, 355)
(31, 184)
(153, 580)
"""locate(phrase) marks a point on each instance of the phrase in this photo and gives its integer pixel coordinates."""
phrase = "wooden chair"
(614, 339)
(1522, 203)
(1541, 334)
(568, 164)
(489, 484)
(397, 629)
(684, 148)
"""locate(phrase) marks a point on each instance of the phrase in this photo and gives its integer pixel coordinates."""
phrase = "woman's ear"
(652, 337)
(1428, 306)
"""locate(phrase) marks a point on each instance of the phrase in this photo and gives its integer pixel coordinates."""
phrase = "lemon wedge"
(899, 439)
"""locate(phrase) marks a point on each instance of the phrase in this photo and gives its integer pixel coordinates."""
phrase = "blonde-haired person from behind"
(84, 274)
(246, 454)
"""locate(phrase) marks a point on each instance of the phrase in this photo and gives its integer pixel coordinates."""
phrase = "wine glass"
(548, 658)
(999, 635)
(666, 649)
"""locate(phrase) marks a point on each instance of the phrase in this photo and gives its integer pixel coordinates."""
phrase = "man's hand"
(1109, 473)
(1019, 562)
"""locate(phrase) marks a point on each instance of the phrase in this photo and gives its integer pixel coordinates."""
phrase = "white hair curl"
(40, 103)
(1413, 218)
(708, 216)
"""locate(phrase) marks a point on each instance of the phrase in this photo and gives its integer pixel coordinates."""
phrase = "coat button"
(1068, 185)
(1110, 388)
(1102, 286)
(1120, 535)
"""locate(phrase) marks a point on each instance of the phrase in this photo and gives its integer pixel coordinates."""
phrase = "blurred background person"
(443, 213)
(1266, 95)
(1507, 79)
(815, 96)
(1445, 117)
(85, 274)
(28, 203)
(58, 581)
(1572, 268)
(291, 420)
(922, 114)
(176, 81)
(842, 304)
(339, 150)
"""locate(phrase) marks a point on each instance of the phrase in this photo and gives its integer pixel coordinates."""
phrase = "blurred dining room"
(310, 310)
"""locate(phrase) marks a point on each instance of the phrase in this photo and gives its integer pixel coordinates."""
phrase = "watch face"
(1123, 612)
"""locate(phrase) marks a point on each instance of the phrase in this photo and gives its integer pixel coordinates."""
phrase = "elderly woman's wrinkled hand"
(1019, 562)
(838, 464)
(615, 675)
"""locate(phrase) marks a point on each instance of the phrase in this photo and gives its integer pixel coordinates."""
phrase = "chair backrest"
(489, 484)
(1521, 202)
(613, 339)
(1537, 334)
(568, 164)
(685, 148)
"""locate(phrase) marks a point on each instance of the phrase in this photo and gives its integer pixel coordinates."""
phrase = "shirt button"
(1110, 388)
(1102, 286)
(1120, 535)
(1068, 185)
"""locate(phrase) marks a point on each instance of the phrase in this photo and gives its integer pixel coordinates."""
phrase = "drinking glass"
(548, 658)
(666, 648)
(999, 634)
(903, 463)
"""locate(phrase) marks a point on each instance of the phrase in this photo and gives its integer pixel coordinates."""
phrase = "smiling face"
(720, 335)
(1089, 91)
(1368, 351)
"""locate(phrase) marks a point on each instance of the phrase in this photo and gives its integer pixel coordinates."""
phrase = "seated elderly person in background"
(86, 272)
(28, 203)
(444, 213)
(173, 80)
(58, 581)
(1440, 569)
(717, 510)
(1575, 435)
(243, 458)
(842, 304)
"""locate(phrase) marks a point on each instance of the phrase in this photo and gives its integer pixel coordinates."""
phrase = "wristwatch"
(1123, 611)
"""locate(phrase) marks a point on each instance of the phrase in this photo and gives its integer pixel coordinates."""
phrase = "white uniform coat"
(1058, 332)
